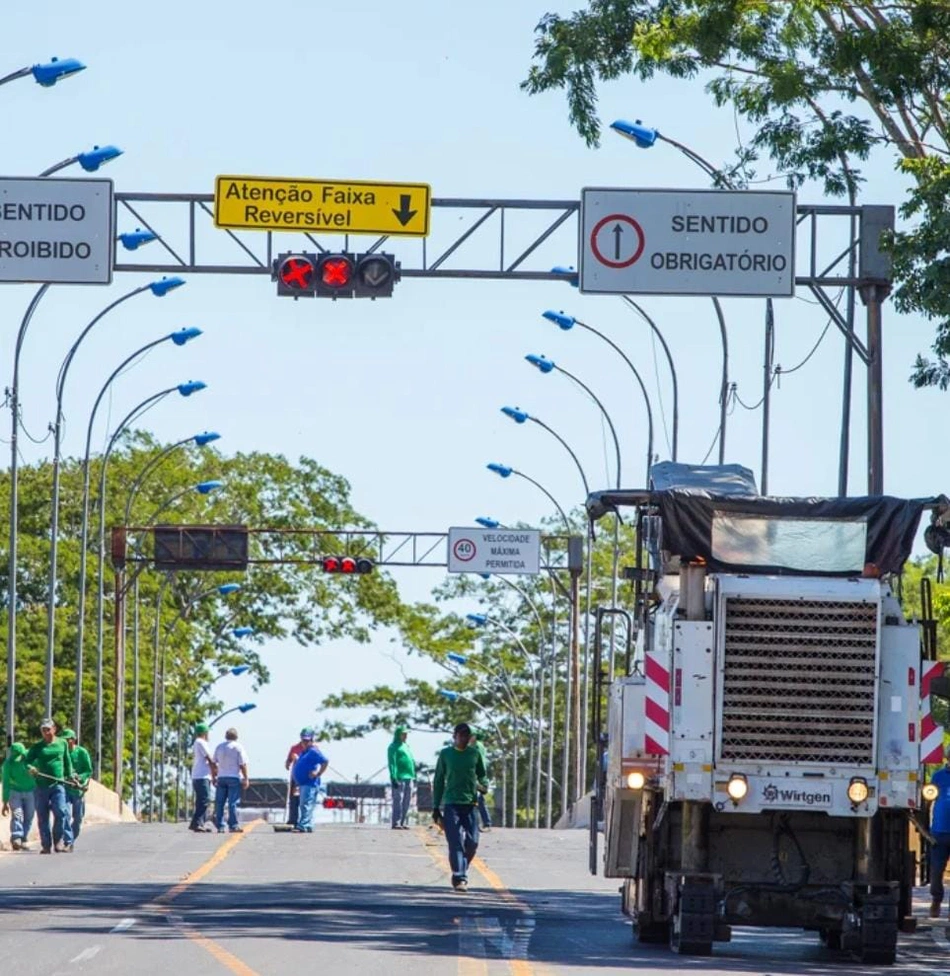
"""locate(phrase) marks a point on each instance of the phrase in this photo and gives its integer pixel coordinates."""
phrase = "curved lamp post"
(246, 707)
(184, 389)
(46, 75)
(506, 471)
(645, 138)
(566, 323)
(90, 160)
(520, 416)
(158, 289)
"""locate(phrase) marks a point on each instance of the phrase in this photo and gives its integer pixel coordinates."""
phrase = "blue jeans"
(402, 800)
(460, 822)
(202, 788)
(77, 810)
(22, 811)
(228, 788)
(52, 800)
(483, 811)
(939, 855)
(308, 801)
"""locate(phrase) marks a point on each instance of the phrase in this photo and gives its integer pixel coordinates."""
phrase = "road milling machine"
(760, 761)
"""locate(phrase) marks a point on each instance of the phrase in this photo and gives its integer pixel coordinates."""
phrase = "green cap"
(67, 734)
(201, 727)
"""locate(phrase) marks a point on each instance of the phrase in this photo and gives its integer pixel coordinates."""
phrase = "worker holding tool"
(51, 767)
(82, 771)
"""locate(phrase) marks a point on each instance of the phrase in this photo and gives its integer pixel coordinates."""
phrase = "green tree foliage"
(181, 614)
(823, 84)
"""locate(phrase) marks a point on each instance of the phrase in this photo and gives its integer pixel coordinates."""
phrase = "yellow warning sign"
(328, 206)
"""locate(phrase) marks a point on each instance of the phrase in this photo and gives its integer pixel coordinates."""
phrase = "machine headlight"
(858, 790)
(635, 780)
(737, 787)
(930, 792)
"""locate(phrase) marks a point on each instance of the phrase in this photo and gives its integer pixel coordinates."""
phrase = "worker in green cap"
(82, 771)
(203, 768)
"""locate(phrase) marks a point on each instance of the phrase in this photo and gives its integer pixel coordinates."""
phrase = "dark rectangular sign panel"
(206, 547)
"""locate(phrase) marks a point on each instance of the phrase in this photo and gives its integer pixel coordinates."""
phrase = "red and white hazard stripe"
(657, 704)
(931, 734)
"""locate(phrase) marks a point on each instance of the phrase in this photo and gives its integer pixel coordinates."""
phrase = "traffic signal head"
(338, 803)
(347, 565)
(334, 275)
(295, 274)
(375, 275)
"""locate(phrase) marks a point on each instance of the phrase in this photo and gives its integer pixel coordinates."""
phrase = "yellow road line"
(161, 903)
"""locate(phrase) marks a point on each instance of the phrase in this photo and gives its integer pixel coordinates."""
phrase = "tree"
(824, 84)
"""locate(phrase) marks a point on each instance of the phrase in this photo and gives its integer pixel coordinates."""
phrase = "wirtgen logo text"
(774, 794)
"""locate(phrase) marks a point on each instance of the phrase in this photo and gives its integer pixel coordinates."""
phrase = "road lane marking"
(87, 954)
(123, 926)
(219, 855)
(161, 903)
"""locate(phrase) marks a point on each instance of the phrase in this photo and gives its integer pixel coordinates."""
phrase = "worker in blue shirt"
(309, 766)
(940, 828)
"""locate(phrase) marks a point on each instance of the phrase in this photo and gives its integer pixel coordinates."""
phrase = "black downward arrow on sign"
(618, 234)
(404, 214)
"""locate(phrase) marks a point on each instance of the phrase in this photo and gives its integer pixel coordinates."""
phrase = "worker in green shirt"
(82, 770)
(50, 765)
(18, 796)
(460, 775)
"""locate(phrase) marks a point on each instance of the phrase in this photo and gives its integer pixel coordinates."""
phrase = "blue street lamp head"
(456, 658)
(476, 619)
(92, 160)
(242, 631)
(487, 523)
(192, 386)
(206, 437)
(562, 269)
(545, 365)
(184, 335)
(637, 132)
(561, 320)
(206, 487)
(240, 669)
(452, 696)
(518, 415)
(502, 470)
(226, 589)
(485, 575)
(246, 707)
(55, 70)
(133, 239)
(163, 287)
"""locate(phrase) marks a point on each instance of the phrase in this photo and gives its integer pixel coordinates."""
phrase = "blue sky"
(402, 396)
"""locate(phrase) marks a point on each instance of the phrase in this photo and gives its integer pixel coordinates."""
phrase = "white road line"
(87, 954)
(125, 924)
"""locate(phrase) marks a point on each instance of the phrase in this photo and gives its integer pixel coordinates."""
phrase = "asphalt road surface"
(347, 900)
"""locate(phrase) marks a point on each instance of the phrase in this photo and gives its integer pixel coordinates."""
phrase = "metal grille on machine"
(799, 681)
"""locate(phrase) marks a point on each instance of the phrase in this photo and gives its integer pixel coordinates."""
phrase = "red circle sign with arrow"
(617, 241)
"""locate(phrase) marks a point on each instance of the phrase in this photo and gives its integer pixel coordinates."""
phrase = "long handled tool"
(72, 784)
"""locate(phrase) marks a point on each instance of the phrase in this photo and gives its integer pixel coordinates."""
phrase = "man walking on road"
(82, 770)
(18, 796)
(460, 775)
(231, 777)
(50, 765)
(202, 769)
(940, 827)
(308, 768)
(402, 773)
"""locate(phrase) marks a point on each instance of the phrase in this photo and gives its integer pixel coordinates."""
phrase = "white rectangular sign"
(494, 551)
(56, 231)
(687, 242)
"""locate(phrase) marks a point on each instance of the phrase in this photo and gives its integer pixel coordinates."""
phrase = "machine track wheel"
(648, 931)
(878, 957)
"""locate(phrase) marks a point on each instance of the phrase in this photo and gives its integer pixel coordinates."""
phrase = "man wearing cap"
(940, 828)
(306, 737)
(460, 775)
(308, 768)
(402, 771)
(82, 771)
(203, 767)
(50, 765)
